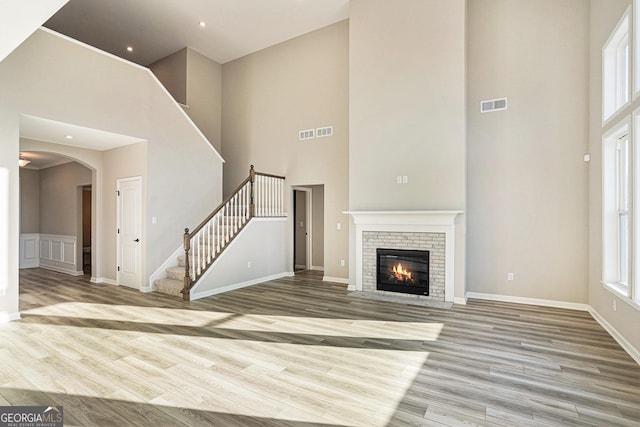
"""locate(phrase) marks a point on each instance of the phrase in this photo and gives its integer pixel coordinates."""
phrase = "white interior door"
(129, 231)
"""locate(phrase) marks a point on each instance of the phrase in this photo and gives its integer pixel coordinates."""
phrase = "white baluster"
(217, 233)
(270, 187)
(208, 242)
(235, 213)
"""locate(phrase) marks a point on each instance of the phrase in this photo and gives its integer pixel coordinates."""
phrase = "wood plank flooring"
(298, 352)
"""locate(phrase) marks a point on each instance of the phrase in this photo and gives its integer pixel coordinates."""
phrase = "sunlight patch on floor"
(421, 331)
(286, 381)
(130, 313)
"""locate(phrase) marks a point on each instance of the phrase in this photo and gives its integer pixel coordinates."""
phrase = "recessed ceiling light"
(129, 49)
(69, 136)
(203, 24)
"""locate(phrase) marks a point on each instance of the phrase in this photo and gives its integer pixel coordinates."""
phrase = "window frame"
(616, 72)
(613, 208)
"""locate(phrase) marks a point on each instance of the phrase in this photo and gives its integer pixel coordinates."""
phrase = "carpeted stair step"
(168, 286)
(175, 273)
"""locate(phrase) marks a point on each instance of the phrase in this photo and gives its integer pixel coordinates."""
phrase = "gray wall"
(527, 182)
(204, 95)
(407, 104)
(172, 72)
(195, 81)
(29, 201)
(59, 204)
(267, 97)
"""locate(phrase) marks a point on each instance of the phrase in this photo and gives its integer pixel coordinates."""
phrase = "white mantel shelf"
(436, 221)
(404, 217)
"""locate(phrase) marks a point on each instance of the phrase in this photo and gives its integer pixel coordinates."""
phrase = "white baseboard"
(160, 272)
(626, 345)
(459, 300)
(317, 268)
(62, 270)
(530, 301)
(99, 280)
(208, 293)
(9, 317)
(335, 280)
(300, 267)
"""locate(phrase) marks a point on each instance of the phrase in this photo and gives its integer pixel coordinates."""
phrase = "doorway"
(302, 208)
(86, 229)
(308, 227)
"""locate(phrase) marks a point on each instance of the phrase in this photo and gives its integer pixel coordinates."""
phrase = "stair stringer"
(263, 243)
(161, 272)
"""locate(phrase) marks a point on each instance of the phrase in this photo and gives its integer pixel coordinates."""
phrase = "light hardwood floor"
(300, 352)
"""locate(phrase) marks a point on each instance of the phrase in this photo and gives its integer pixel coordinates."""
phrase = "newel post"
(187, 271)
(252, 178)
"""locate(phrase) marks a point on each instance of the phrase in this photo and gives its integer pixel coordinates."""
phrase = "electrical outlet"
(399, 179)
(249, 264)
(341, 263)
(339, 226)
(614, 305)
(509, 276)
(405, 179)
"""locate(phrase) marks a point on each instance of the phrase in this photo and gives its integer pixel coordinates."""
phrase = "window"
(617, 215)
(636, 44)
(615, 69)
(623, 206)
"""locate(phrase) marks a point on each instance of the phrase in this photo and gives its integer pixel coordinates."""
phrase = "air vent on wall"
(325, 131)
(306, 134)
(493, 105)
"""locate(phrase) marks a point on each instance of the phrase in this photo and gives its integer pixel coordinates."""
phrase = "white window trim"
(635, 52)
(610, 69)
(610, 234)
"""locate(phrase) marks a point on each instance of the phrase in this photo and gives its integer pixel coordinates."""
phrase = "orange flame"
(401, 273)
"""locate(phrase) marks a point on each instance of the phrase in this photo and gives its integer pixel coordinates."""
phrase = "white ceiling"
(46, 130)
(157, 28)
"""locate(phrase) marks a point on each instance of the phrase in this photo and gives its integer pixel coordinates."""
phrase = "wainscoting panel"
(29, 250)
(58, 253)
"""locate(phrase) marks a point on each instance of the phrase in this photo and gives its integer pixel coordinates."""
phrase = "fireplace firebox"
(404, 271)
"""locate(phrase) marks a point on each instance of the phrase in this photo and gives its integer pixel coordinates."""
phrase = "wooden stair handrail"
(198, 267)
(212, 214)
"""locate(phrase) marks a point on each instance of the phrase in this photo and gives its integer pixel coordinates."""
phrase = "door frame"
(138, 179)
(309, 221)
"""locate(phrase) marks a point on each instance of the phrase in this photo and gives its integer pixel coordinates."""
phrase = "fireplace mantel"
(436, 221)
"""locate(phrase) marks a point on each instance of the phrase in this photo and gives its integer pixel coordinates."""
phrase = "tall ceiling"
(157, 28)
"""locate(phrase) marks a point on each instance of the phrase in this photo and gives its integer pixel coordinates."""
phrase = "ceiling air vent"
(306, 134)
(493, 105)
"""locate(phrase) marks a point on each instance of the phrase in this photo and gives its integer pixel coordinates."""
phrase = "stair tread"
(168, 286)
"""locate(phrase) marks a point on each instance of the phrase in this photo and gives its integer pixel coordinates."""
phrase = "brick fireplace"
(432, 231)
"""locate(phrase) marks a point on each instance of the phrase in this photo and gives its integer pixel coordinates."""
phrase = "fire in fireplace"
(401, 270)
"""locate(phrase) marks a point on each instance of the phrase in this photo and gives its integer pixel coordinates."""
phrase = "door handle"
(137, 240)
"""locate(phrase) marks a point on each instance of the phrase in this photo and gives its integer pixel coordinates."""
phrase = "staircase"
(259, 195)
